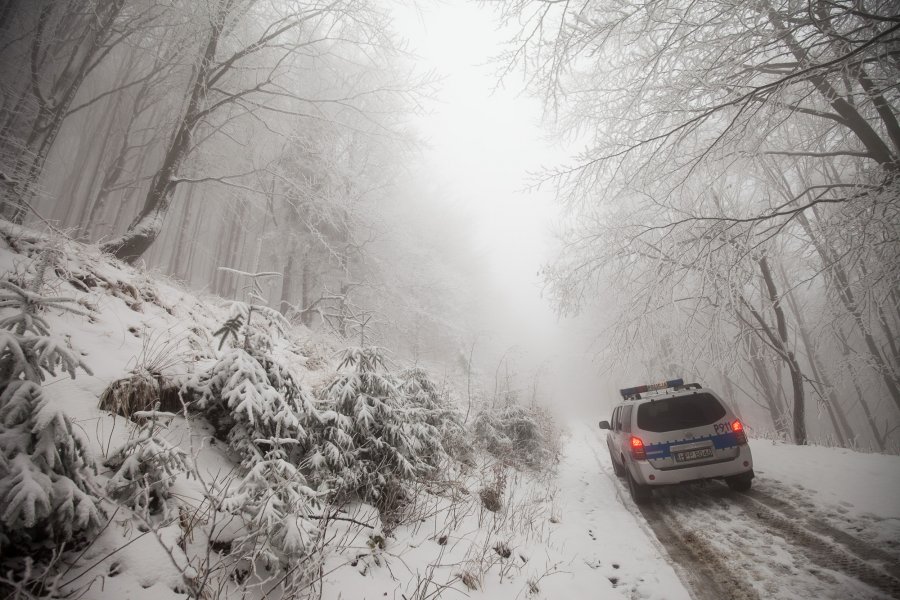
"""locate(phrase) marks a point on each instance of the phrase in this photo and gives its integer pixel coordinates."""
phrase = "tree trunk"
(729, 393)
(841, 282)
(305, 291)
(188, 272)
(146, 227)
(7, 8)
(885, 111)
(886, 330)
(839, 422)
(112, 175)
(53, 111)
(221, 250)
(776, 410)
(78, 178)
(227, 282)
(287, 284)
(799, 409)
(185, 239)
(870, 419)
(87, 165)
(851, 118)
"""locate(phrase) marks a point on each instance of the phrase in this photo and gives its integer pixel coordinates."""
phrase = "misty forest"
(326, 298)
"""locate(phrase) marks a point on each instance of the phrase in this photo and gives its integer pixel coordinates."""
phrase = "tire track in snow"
(822, 550)
(701, 568)
(707, 572)
(860, 548)
(706, 503)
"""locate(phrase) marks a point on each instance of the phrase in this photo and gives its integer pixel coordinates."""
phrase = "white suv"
(672, 432)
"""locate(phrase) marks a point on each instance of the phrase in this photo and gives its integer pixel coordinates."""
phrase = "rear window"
(683, 412)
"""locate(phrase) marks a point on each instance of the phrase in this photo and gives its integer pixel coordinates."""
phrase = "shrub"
(491, 495)
(258, 406)
(375, 436)
(47, 490)
(428, 404)
(142, 391)
(146, 467)
(252, 402)
(516, 433)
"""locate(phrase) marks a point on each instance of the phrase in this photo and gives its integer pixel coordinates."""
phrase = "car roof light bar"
(635, 392)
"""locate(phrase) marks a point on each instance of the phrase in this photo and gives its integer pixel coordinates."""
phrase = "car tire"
(618, 469)
(739, 483)
(640, 493)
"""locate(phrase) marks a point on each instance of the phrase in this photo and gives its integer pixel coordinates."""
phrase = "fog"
(551, 203)
(487, 142)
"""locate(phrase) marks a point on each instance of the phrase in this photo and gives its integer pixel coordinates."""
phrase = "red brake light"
(738, 429)
(637, 449)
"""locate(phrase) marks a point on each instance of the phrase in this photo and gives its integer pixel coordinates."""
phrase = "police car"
(672, 432)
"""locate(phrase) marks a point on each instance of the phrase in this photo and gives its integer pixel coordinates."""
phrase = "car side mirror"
(604, 425)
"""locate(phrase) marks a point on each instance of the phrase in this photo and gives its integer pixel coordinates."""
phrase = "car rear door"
(687, 430)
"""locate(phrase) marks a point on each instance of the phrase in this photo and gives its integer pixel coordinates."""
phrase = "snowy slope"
(553, 536)
(137, 319)
(570, 535)
(819, 522)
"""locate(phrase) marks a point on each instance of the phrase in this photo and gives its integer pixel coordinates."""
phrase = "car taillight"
(637, 449)
(739, 436)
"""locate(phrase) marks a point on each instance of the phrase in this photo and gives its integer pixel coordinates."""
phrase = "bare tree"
(788, 109)
(676, 81)
(250, 64)
(63, 43)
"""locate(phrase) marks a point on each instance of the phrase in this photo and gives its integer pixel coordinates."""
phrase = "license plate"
(693, 454)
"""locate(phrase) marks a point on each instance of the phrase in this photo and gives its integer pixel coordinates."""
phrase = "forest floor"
(818, 522)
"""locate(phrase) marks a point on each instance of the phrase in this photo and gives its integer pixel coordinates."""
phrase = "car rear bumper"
(642, 470)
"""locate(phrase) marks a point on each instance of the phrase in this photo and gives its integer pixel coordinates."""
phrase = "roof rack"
(635, 393)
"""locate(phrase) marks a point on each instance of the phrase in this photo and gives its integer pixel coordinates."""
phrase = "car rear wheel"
(739, 483)
(639, 493)
(618, 469)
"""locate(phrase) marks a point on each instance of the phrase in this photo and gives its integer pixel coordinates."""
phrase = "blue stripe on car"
(663, 450)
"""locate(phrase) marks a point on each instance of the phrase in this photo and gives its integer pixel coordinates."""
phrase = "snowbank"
(857, 483)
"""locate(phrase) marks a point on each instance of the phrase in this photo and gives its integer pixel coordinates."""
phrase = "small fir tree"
(256, 403)
(47, 490)
(374, 438)
(146, 467)
(432, 406)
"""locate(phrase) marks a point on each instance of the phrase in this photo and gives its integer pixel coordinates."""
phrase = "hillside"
(380, 458)
(482, 521)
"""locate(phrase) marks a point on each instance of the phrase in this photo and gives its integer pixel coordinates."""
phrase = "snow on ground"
(855, 491)
(818, 523)
(137, 319)
(856, 483)
(571, 534)
(599, 530)
(838, 483)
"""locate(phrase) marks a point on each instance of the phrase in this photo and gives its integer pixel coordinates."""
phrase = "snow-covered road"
(777, 541)
(610, 550)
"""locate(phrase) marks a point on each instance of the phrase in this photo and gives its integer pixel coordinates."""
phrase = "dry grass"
(470, 580)
(140, 391)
